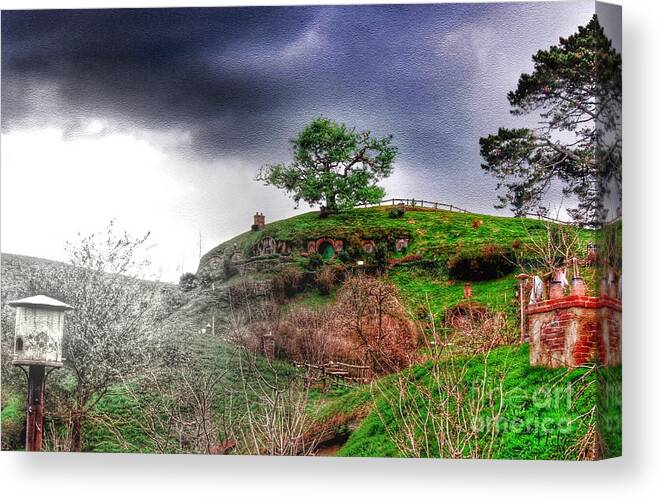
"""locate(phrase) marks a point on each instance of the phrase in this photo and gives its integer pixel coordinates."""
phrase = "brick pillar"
(574, 331)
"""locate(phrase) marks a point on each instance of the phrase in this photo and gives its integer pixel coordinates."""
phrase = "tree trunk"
(331, 206)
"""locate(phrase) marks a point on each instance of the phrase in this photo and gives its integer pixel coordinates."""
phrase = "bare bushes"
(448, 410)
(275, 420)
(291, 280)
(476, 330)
(370, 316)
(366, 325)
(178, 401)
(288, 282)
(325, 278)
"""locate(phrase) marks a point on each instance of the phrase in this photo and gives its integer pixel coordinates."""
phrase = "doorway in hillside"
(326, 250)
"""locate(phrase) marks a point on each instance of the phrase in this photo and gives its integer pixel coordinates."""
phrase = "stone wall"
(575, 330)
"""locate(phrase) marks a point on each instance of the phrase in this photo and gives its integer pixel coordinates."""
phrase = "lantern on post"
(37, 346)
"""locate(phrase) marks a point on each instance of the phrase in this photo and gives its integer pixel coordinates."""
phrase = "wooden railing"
(337, 372)
(437, 205)
(412, 202)
(533, 215)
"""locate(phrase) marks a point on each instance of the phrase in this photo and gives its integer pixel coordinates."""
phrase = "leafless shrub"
(325, 278)
(442, 413)
(366, 326)
(369, 315)
(287, 282)
(276, 419)
(546, 250)
(477, 331)
(305, 336)
(175, 401)
(250, 316)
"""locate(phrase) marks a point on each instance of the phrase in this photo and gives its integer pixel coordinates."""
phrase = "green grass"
(539, 419)
(418, 286)
(211, 355)
(12, 418)
(432, 232)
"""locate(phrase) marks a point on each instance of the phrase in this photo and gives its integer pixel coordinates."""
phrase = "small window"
(19, 344)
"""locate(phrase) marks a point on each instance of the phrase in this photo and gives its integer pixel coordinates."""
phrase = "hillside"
(432, 232)
(420, 270)
(429, 274)
(423, 273)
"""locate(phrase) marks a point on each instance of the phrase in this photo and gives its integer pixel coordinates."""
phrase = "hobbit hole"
(266, 246)
(326, 250)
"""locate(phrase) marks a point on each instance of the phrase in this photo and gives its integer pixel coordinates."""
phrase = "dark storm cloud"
(241, 81)
(158, 68)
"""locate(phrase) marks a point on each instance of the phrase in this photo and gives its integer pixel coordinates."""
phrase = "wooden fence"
(337, 373)
(437, 205)
(412, 202)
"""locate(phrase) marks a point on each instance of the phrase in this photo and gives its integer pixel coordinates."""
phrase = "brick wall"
(574, 330)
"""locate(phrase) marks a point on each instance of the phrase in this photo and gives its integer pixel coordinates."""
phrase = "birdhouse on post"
(37, 344)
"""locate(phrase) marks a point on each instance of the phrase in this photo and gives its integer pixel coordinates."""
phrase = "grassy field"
(540, 419)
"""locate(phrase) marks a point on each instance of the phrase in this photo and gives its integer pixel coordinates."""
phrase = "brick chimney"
(555, 290)
(258, 221)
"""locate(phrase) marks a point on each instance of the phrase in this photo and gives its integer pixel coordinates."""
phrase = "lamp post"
(37, 346)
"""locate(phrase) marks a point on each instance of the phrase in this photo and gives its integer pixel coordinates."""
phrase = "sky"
(160, 118)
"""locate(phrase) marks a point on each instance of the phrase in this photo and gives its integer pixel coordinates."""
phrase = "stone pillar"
(555, 290)
(578, 286)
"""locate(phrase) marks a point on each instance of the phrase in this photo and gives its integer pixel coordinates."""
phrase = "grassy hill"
(433, 232)
(362, 415)
(544, 413)
(421, 271)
